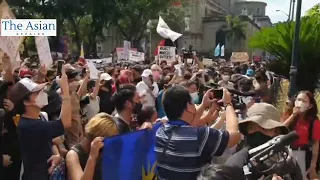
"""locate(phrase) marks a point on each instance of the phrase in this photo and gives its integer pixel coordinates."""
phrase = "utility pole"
(295, 52)
(289, 19)
(293, 6)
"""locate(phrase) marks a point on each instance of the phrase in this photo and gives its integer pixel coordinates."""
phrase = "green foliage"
(314, 11)
(278, 41)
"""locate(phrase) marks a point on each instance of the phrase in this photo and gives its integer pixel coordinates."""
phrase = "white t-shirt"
(93, 107)
(142, 89)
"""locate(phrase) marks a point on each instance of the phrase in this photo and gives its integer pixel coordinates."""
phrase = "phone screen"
(218, 93)
(60, 63)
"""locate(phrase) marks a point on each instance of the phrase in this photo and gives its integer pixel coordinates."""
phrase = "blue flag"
(217, 51)
(130, 156)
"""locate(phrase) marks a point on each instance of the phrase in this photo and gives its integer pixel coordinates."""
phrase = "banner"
(43, 48)
(9, 44)
(120, 52)
(167, 53)
(207, 61)
(136, 56)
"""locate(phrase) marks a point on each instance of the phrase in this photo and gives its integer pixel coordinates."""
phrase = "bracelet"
(228, 104)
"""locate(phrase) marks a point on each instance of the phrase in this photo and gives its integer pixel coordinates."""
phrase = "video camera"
(271, 157)
(187, 53)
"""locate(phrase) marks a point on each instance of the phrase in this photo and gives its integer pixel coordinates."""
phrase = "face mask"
(137, 108)
(225, 77)
(256, 139)
(195, 97)
(42, 99)
(302, 105)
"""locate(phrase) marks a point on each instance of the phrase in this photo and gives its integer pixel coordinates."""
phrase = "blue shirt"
(35, 136)
(189, 150)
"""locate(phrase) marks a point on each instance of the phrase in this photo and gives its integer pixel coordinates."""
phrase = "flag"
(81, 60)
(164, 31)
(217, 51)
(130, 156)
(222, 51)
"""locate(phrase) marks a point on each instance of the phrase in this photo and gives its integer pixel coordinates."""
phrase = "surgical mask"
(302, 105)
(225, 77)
(256, 139)
(42, 99)
(195, 97)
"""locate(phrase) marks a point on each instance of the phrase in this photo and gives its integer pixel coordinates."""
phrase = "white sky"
(284, 5)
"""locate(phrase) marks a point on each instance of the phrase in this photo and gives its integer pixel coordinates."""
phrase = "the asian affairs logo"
(28, 27)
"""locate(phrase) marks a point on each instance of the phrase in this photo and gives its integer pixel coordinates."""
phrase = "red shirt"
(302, 129)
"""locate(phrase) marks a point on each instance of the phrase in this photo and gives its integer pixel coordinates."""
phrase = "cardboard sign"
(167, 53)
(239, 57)
(9, 44)
(207, 61)
(136, 56)
(43, 48)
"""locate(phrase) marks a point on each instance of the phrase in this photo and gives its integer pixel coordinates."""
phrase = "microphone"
(274, 145)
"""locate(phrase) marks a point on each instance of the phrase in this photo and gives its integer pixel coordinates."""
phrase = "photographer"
(182, 149)
(261, 125)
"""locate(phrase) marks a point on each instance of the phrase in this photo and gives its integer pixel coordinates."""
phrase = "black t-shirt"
(105, 102)
(137, 80)
(241, 159)
(36, 144)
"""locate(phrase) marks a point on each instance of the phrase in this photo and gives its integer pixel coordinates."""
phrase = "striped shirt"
(182, 150)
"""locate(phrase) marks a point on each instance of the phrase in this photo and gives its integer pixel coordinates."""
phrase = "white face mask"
(42, 99)
(225, 77)
(195, 97)
(302, 105)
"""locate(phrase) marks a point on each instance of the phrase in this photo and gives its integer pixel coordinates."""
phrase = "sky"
(284, 5)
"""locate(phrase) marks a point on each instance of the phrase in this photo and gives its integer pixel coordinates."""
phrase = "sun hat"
(265, 115)
(23, 88)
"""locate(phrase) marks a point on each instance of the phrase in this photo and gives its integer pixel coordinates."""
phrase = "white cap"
(146, 73)
(105, 76)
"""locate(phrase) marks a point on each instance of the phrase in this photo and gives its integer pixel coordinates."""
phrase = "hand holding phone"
(60, 64)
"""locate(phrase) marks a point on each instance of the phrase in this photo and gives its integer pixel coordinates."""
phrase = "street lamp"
(295, 52)
(284, 13)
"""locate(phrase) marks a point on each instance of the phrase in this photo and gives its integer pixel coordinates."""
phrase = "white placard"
(207, 61)
(136, 56)
(167, 53)
(94, 72)
(178, 68)
(43, 48)
(9, 44)
(126, 49)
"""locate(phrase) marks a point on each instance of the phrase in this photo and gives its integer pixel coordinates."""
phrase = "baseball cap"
(146, 73)
(265, 115)
(250, 72)
(23, 88)
(25, 73)
(105, 76)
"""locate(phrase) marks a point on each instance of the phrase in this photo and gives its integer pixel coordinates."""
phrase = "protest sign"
(9, 44)
(126, 49)
(167, 53)
(207, 61)
(136, 56)
(94, 72)
(120, 52)
(43, 49)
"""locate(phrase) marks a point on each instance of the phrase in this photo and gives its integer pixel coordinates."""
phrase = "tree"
(278, 41)
(315, 10)
(236, 30)
(131, 17)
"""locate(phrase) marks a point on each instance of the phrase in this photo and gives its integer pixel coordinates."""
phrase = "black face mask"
(256, 139)
(137, 108)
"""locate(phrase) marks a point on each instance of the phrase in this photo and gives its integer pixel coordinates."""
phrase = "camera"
(187, 53)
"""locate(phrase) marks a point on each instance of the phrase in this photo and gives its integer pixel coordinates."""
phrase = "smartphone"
(217, 93)
(60, 63)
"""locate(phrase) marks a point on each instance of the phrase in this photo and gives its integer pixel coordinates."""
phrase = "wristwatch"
(228, 104)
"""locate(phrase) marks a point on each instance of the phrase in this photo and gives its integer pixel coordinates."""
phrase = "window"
(258, 11)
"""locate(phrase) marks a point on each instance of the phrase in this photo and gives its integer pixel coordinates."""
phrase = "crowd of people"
(210, 116)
